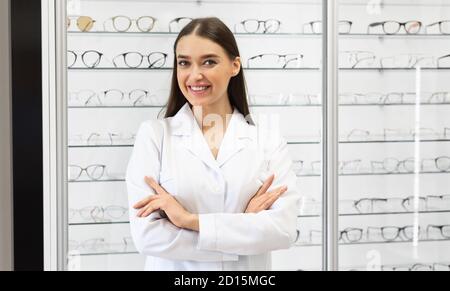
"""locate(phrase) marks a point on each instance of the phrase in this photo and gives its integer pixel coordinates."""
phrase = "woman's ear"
(236, 66)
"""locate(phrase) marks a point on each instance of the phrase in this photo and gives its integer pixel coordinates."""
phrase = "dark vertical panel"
(27, 134)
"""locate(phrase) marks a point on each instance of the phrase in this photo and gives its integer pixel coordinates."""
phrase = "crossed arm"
(162, 227)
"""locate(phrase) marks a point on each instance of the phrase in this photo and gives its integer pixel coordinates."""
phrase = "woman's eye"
(210, 62)
(182, 63)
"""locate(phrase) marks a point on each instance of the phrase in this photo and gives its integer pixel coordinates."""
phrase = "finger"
(144, 202)
(149, 209)
(274, 197)
(266, 185)
(274, 193)
(155, 186)
(141, 211)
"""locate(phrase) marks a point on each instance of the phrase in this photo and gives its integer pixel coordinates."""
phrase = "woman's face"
(204, 70)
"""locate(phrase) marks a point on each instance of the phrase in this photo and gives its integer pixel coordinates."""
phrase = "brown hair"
(215, 30)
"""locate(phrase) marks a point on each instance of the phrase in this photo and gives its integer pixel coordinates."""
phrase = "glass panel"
(120, 60)
(394, 122)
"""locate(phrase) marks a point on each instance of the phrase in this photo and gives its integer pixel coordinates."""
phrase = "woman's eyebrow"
(202, 57)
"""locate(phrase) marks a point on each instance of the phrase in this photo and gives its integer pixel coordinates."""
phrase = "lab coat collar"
(238, 135)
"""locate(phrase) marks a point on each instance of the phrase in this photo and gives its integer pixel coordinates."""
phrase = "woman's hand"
(263, 200)
(162, 200)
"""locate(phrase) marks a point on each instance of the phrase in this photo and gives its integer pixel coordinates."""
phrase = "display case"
(393, 93)
(118, 59)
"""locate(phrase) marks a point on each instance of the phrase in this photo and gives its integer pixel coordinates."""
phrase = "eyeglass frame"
(103, 167)
(440, 59)
(440, 26)
(399, 230)
(131, 20)
(100, 56)
(412, 63)
(127, 93)
(101, 209)
(358, 61)
(259, 25)
(397, 167)
(400, 25)
(177, 20)
(124, 55)
(440, 228)
(286, 62)
(69, 22)
(92, 96)
(311, 24)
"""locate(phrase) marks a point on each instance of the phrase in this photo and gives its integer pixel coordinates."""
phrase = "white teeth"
(199, 88)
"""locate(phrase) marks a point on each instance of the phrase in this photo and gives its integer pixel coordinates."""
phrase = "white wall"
(5, 141)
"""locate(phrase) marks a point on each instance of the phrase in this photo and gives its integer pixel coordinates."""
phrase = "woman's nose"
(197, 73)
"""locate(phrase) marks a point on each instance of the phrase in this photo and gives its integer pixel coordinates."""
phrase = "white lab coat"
(174, 152)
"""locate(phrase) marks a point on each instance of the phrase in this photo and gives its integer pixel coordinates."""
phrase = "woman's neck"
(208, 116)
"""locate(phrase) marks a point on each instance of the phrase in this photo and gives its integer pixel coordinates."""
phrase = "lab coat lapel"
(237, 137)
(190, 136)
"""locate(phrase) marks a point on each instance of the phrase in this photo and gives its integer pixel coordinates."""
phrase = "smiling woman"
(227, 204)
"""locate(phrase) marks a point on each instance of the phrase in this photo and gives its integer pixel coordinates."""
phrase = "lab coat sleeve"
(155, 235)
(252, 234)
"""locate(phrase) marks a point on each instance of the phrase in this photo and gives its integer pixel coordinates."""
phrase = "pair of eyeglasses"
(442, 230)
(442, 164)
(396, 134)
(84, 98)
(438, 202)
(268, 99)
(376, 98)
(392, 233)
(177, 24)
(393, 27)
(315, 27)
(284, 99)
(345, 167)
(348, 235)
(372, 205)
(101, 139)
(351, 235)
(261, 26)
(444, 26)
(443, 62)
(439, 98)
(116, 97)
(413, 268)
(135, 60)
(96, 245)
(393, 165)
(408, 61)
(109, 97)
(84, 23)
(109, 138)
(393, 98)
(122, 23)
(91, 245)
(356, 59)
(93, 172)
(275, 61)
(91, 58)
(98, 213)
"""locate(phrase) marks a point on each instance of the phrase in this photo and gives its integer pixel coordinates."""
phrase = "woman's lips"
(199, 90)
